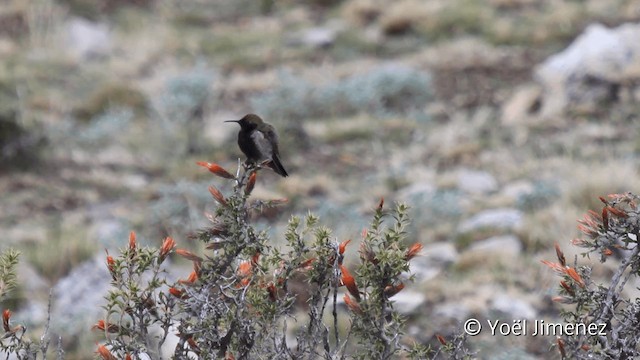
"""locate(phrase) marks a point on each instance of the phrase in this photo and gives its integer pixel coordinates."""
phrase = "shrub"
(240, 299)
(605, 306)
(382, 91)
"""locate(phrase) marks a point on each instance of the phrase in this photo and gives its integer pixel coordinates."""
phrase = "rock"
(458, 311)
(591, 69)
(476, 182)
(433, 259)
(416, 189)
(87, 39)
(512, 308)
(502, 218)
(508, 245)
(407, 301)
(517, 190)
(318, 37)
(78, 298)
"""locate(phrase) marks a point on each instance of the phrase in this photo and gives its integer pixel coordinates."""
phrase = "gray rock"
(476, 182)
(78, 298)
(452, 310)
(433, 259)
(318, 37)
(507, 244)
(87, 39)
(502, 218)
(407, 301)
(517, 189)
(586, 71)
(512, 308)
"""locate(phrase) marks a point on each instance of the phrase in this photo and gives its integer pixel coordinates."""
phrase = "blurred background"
(499, 122)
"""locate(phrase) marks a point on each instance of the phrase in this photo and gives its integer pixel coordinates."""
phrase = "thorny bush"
(248, 299)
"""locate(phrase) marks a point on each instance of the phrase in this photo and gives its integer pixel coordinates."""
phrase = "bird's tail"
(276, 165)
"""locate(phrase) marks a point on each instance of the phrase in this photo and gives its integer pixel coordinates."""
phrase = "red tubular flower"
(167, 245)
(217, 195)
(605, 218)
(244, 269)
(575, 276)
(251, 183)
(343, 246)
(189, 255)
(132, 243)
(105, 353)
(111, 265)
(617, 212)
(555, 267)
(413, 251)
(216, 169)
(103, 325)
(391, 290)
(567, 288)
(178, 293)
(441, 339)
(350, 282)
(193, 277)
(307, 264)
(563, 353)
(6, 315)
(352, 305)
(381, 204)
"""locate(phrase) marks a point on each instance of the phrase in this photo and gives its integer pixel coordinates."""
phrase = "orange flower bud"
(111, 265)
(177, 293)
(244, 269)
(605, 218)
(307, 264)
(555, 267)
(441, 339)
(567, 288)
(132, 243)
(189, 255)
(167, 246)
(575, 276)
(193, 277)
(350, 282)
(618, 212)
(216, 169)
(563, 353)
(381, 204)
(102, 325)
(413, 251)
(217, 195)
(251, 183)
(6, 315)
(391, 290)
(104, 353)
(343, 246)
(352, 305)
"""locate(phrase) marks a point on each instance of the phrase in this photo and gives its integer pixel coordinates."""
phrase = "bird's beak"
(235, 121)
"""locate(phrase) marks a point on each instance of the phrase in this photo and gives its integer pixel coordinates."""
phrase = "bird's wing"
(262, 143)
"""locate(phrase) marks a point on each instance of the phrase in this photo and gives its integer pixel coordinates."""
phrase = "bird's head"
(249, 121)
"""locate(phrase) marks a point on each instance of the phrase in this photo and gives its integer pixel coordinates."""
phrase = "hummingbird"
(259, 141)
